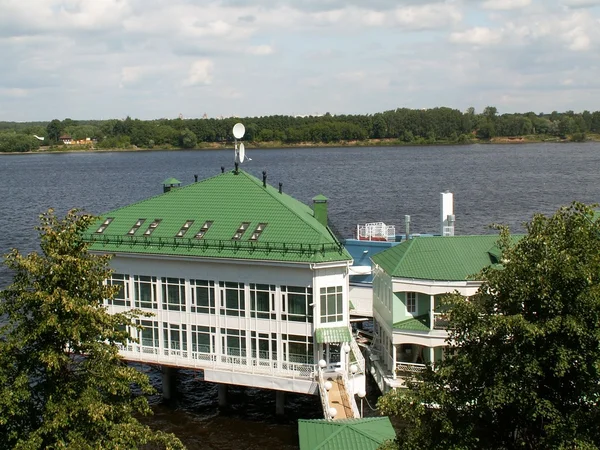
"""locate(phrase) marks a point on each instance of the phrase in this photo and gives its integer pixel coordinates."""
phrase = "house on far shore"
(65, 139)
(409, 282)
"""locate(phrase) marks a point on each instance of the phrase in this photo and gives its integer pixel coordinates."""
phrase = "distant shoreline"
(516, 140)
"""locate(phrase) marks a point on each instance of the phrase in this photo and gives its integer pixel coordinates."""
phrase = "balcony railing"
(407, 368)
(440, 321)
(235, 360)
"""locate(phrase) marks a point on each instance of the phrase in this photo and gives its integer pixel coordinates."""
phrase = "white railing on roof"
(376, 231)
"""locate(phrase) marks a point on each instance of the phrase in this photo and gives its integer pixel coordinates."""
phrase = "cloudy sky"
(99, 59)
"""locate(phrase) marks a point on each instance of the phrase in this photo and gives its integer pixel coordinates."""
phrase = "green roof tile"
(419, 323)
(334, 334)
(451, 258)
(291, 232)
(346, 434)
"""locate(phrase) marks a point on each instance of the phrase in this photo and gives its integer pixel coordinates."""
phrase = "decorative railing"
(234, 361)
(324, 396)
(410, 368)
(357, 356)
(212, 244)
(440, 321)
(349, 392)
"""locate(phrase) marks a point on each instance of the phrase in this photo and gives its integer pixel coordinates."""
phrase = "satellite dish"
(242, 152)
(238, 130)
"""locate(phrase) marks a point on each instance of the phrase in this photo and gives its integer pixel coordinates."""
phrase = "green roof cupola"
(320, 209)
(171, 183)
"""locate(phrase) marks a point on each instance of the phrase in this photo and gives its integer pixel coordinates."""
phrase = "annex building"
(408, 283)
(242, 281)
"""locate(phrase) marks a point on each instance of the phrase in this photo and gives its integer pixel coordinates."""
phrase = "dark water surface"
(491, 184)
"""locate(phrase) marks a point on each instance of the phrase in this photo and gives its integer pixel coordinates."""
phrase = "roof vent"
(171, 183)
(280, 188)
(264, 178)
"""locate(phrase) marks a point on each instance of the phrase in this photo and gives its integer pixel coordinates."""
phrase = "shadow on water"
(248, 422)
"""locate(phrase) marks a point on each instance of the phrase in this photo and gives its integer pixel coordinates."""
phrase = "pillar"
(169, 382)
(279, 403)
(432, 355)
(431, 310)
(222, 390)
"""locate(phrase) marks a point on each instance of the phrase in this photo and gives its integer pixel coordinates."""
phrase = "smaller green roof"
(419, 323)
(170, 181)
(348, 434)
(330, 335)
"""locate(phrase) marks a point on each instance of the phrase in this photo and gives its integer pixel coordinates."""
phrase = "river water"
(491, 184)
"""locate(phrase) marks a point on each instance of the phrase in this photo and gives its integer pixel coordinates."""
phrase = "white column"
(431, 308)
(431, 355)
(393, 360)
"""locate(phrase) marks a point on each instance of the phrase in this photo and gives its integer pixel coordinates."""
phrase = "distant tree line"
(410, 126)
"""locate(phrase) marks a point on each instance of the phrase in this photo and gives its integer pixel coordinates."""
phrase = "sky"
(149, 59)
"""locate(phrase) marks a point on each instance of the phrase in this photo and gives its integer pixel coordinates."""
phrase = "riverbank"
(530, 139)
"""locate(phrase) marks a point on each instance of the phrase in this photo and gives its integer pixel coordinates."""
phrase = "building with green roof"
(243, 281)
(349, 434)
(409, 281)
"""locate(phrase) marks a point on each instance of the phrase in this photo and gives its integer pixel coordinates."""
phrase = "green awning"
(332, 335)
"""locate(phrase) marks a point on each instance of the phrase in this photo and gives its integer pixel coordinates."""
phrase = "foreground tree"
(525, 370)
(62, 383)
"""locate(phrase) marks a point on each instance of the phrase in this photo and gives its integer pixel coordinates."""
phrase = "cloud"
(581, 3)
(505, 5)
(261, 50)
(477, 36)
(200, 72)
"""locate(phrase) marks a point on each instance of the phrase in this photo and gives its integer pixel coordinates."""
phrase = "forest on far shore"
(400, 126)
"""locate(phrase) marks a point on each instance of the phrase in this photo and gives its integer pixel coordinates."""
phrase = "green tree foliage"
(54, 130)
(14, 142)
(525, 370)
(187, 139)
(62, 383)
(420, 126)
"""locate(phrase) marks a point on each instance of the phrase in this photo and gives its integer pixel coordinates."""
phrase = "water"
(491, 184)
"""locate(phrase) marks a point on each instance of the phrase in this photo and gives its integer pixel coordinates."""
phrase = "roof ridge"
(335, 433)
(274, 196)
(409, 246)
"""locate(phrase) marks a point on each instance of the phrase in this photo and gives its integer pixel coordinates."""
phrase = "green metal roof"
(291, 232)
(170, 181)
(451, 258)
(419, 323)
(329, 335)
(346, 434)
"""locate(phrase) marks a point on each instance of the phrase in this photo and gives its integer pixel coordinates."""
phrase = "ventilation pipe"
(264, 178)
(407, 226)
(447, 213)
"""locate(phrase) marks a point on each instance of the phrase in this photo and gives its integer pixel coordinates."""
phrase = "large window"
(173, 294)
(233, 342)
(175, 339)
(148, 335)
(296, 304)
(145, 292)
(298, 349)
(233, 299)
(121, 298)
(203, 339)
(264, 346)
(411, 302)
(262, 301)
(332, 304)
(203, 296)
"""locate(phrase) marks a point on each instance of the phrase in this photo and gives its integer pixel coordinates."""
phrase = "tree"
(54, 129)
(525, 370)
(187, 139)
(62, 382)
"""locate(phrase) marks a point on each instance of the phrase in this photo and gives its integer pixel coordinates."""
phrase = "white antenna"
(238, 133)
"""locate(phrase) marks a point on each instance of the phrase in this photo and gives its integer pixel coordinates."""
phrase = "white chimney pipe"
(447, 213)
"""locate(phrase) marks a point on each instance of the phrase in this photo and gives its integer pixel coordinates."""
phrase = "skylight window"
(152, 227)
(241, 230)
(257, 232)
(105, 224)
(184, 229)
(200, 234)
(136, 226)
